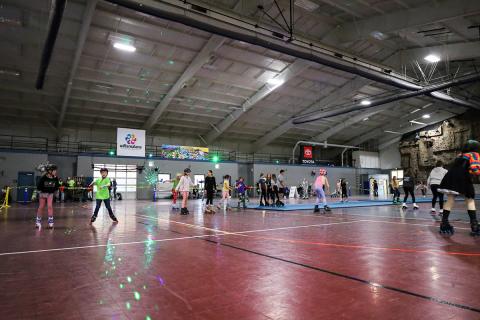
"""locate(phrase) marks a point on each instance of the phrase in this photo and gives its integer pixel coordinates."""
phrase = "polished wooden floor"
(357, 263)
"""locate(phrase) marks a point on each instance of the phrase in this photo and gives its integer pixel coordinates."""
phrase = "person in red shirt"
(458, 181)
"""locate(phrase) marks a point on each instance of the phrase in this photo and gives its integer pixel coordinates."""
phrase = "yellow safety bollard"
(5, 201)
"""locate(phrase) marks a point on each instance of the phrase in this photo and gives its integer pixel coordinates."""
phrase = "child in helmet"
(184, 188)
(320, 183)
(103, 185)
(241, 190)
(47, 186)
(458, 181)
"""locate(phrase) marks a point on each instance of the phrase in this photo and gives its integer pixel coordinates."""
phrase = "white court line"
(285, 228)
(162, 240)
(248, 231)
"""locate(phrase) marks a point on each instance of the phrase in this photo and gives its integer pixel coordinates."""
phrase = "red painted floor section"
(358, 263)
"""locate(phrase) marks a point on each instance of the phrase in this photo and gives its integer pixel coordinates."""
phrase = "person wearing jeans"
(47, 185)
(434, 180)
(103, 185)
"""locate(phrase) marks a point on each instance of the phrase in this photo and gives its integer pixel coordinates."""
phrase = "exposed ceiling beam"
(87, 19)
(288, 73)
(407, 18)
(394, 125)
(202, 57)
(348, 89)
(388, 143)
(349, 122)
(447, 52)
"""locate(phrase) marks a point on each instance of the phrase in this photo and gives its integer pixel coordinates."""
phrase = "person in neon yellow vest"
(103, 185)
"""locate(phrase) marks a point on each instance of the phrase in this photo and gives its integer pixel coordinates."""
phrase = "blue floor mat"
(333, 205)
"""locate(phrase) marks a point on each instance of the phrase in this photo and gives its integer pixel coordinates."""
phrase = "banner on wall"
(183, 152)
(130, 142)
(306, 155)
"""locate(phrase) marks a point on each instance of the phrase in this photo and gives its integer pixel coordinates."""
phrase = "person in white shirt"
(434, 180)
(184, 188)
(282, 184)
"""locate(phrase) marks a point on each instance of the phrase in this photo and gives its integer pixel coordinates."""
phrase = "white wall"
(365, 159)
(390, 157)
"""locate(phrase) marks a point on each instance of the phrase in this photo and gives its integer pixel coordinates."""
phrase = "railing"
(52, 146)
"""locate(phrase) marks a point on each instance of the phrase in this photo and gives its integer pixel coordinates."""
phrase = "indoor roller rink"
(365, 263)
(239, 159)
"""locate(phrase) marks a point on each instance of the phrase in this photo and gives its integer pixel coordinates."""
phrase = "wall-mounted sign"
(183, 152)
(130, 142)
(306, 155)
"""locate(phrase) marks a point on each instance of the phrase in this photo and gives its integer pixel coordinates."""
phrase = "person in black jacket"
(210, 188)
(409, 188)
(47, 186)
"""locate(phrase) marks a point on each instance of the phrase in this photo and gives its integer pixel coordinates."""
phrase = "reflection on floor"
(375, 262)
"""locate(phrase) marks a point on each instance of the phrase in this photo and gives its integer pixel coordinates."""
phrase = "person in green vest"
(103, 185)
(70, 188)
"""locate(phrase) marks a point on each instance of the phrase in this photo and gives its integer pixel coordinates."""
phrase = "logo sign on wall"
(130, 142)
(306, 155)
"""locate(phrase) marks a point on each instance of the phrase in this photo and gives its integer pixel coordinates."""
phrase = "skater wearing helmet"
(184, 188)
(458, 181)
(47, 186)
(320, 183)
(103, 185)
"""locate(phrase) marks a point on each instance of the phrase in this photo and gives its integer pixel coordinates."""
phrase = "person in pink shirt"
(321, 185)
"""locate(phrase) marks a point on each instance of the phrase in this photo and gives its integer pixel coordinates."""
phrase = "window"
(162, 177)
(199, 179)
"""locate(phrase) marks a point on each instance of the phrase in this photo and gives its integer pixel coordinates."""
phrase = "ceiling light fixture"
(432, 58)
(365, 102)
(10, 72)
(365, 119)
(426, 116)
(275, 81)
(417, 122)
(394, 132)
(124, 47)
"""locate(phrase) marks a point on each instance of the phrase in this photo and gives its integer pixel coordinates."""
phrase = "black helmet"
(104, 170)
(50, 167)
(471, 146)
(187, 170)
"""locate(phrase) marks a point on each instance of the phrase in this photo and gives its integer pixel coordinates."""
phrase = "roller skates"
(38, 223)
(327, 208)
(184, 211)
(475, 229)
(316, 209)
(404, 206)
(446, 228)
(415, 207)
(50, 222)
(280, 204)
(209, 210)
